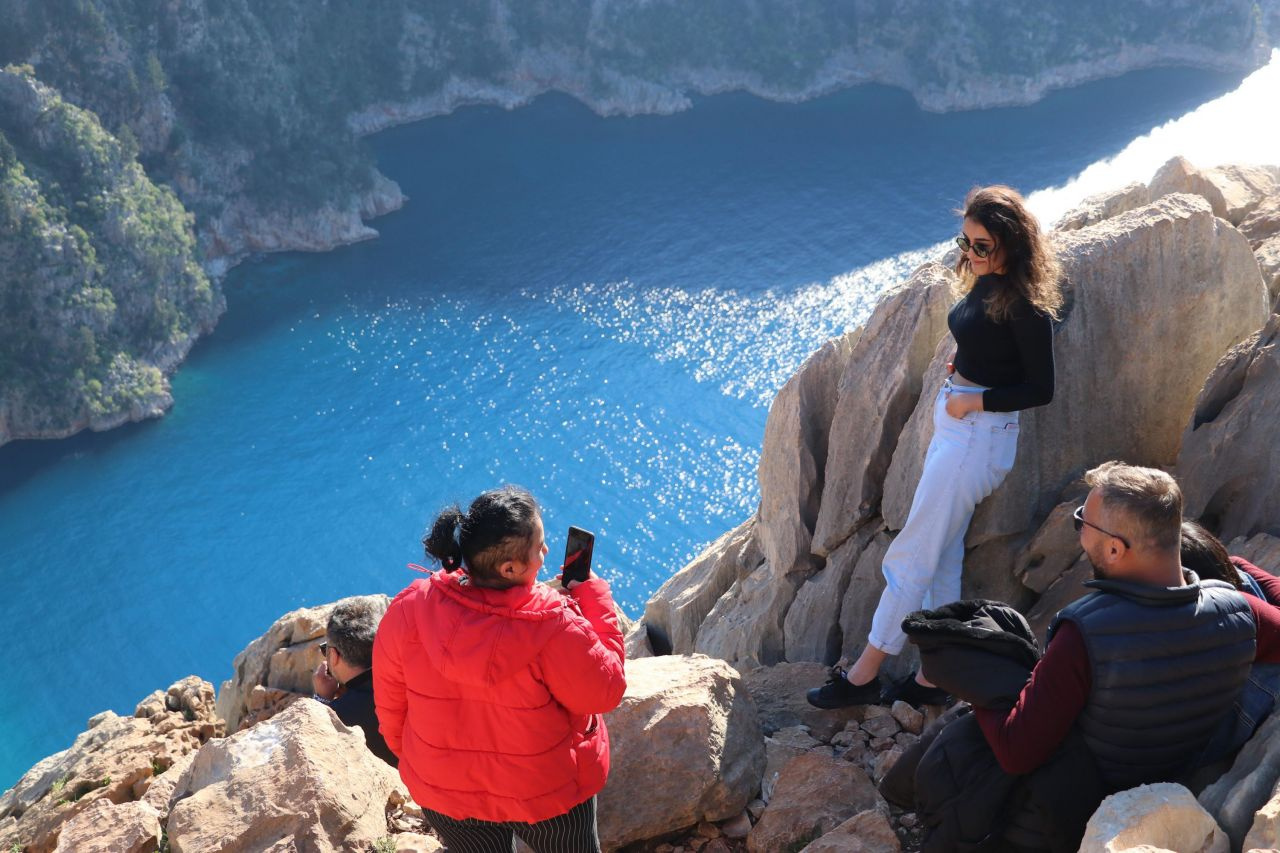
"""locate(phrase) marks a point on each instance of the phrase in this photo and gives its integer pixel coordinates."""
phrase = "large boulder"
(1104, 205)
(794, 457)
(878, 388)
(299, 781)
(105, 827)
(115, 761)
(745, 627)
(686, 747)
(1229, 467)
(814, 794)
(282, 659)
(1150, 819)
(1238, 794)
(812, 629)
(1138, 330)
(1261, 549)
(682, 603)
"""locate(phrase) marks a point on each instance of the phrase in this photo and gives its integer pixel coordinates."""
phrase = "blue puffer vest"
(1166, 663)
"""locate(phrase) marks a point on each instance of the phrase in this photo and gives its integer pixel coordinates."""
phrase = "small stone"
(909, 820)
(909, 718)
(881, 726)
(696, 844)
(737, 827)
(664, 848)
(843, 739)
(856, 751)
(706, 829)
(904, 739)
(885, 762)
(717, 845)
(755, 808)
(880, 744)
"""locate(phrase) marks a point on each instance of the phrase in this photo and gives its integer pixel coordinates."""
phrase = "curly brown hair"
(1030, 266)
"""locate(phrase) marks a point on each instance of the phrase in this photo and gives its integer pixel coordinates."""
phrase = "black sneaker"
(913, 693)
(839, 693)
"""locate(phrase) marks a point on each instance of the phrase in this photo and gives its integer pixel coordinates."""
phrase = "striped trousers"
(572, 832)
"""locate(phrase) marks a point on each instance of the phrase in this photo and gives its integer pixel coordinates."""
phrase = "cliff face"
(100, 293)
(251, 114)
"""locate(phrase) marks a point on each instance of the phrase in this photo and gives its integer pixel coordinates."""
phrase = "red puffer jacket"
(492, 698)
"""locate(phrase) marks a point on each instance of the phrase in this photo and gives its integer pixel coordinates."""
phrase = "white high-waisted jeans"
(966, 460)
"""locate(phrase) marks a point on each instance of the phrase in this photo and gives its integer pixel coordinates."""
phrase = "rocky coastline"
(744, 762)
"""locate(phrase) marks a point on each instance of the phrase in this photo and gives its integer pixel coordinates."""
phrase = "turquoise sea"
(598, 309)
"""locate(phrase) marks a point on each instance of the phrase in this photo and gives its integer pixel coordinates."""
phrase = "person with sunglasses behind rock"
(1002, 324)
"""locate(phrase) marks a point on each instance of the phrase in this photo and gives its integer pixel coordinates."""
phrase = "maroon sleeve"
(1270, 583)
(1028, 735)
(1267, 619)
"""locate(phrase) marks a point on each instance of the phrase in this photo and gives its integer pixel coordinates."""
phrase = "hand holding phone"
(577, 556)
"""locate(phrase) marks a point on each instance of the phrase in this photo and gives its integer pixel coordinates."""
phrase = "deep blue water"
(598, 309)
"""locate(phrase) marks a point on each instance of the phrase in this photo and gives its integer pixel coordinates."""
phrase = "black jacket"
(983, 652)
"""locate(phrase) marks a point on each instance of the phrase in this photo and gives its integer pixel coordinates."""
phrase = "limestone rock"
(1153, 818)
(779, 696)
(1248, 786)
(878, 389)
(1268, 255)
(1244, 188)
(112, 762)
(686, 747)
(1104, 205)
(745, 626)
(865, 832)
(780, 749)
(1229, 467)
(1152, 262)
(794, 456)
(911, 720)
(1179, 176)
(105, 827)
(1263, 222)
(812, 628)
(682, 603)
(301, 780)
(1060, 593)
(1262, 549)
(814, 795)
(860, 599)
(1053, 549)
(283, 658)
(415, 842)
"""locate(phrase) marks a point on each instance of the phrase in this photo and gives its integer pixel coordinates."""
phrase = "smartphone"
(577, 555)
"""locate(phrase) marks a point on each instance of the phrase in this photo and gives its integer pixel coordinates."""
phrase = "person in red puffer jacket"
(490, 686)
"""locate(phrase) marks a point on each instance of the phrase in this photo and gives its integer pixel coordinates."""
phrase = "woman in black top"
(1003, 363)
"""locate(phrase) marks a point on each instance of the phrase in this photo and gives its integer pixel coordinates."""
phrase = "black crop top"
(1014, 359)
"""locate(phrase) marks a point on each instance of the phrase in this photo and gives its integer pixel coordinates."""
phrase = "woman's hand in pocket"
(959, 405)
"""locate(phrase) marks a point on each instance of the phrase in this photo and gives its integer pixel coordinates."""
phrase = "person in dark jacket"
(1150, 636)
(344, 678)
(982, 652)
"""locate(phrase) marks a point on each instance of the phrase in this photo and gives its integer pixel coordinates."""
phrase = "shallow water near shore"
(597, 309)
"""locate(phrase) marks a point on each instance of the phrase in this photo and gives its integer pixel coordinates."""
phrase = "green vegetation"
(100, 269)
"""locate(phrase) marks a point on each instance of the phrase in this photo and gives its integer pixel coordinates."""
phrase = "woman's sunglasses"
(980, 250)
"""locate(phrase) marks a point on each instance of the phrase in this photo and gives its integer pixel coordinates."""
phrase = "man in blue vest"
(1150, 661)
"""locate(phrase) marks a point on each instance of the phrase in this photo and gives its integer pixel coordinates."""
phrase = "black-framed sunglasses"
(980, 250)
(1080, 522)
(324, 647)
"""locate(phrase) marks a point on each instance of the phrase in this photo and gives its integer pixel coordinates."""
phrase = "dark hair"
(1030, 267)
(1147, 499)
(1204, 554)
(498, 526)
(352, 625)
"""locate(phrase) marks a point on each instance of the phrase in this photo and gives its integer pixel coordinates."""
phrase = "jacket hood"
(480, 636)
